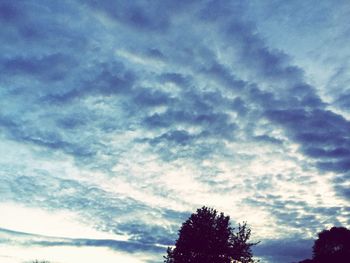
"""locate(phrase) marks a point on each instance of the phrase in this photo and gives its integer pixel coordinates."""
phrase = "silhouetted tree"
(331, 246)
(207, 237)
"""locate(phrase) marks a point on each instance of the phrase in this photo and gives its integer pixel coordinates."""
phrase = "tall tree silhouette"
(207, 237)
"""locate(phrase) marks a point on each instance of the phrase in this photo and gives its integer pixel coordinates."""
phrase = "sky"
(118, 119)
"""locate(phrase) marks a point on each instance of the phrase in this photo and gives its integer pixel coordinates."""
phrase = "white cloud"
(66, 254)
(55, 223)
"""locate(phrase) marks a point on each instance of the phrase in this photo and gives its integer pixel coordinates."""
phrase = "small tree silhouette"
(207, 237)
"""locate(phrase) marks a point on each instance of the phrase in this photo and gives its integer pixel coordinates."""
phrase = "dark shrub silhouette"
(206, 237)
(331, 246)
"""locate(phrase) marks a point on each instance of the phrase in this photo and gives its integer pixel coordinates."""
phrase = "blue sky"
(120, 118)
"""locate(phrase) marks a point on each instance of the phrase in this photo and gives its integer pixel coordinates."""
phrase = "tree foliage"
(207, 237)
(332, 246)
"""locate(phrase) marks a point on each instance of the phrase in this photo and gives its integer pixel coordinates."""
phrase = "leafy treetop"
(207, 237)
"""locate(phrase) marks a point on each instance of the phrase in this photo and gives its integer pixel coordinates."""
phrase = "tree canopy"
(331, 246)
(207, 237)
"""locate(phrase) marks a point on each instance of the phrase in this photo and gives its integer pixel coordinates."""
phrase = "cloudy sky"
(120, 118)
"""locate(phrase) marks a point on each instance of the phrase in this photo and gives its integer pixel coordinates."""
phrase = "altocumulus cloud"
(131, 115)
